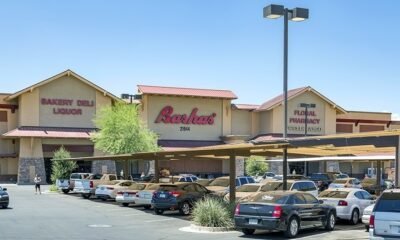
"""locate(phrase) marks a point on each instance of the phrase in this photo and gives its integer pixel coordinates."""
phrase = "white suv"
(384, 223)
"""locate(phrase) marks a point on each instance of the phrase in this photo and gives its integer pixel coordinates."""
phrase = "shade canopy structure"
(368, 143)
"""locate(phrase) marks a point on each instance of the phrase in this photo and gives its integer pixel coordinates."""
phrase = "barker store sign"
(168, 116)
(67, 106)
(301, 118)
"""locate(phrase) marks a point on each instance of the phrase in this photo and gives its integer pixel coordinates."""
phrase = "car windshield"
(334, 194)
(340, 181)
(269, 198)
(137, 186)
(167, 188)
(222, 182)
(273, 186)
(319, 176)
(75, 176)
(388, 202)
(247, 188)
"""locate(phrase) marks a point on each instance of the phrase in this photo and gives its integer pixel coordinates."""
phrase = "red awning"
(50, 132)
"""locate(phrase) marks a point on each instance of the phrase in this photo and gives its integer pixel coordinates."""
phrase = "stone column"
(239, 166)
(31, 161)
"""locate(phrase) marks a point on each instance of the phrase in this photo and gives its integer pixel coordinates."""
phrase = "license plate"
(126, 194)
(102, 188)
(162, 195)
(148, 195)
(253, 221)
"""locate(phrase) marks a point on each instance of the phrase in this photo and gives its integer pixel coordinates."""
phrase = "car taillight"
(91, 184)
(175, 193)
(110, 188)
(237, 211)
(277, 213)
(342, 203)
(137, 195)
(372, 221)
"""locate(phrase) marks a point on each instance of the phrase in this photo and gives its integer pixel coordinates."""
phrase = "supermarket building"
(37, 120)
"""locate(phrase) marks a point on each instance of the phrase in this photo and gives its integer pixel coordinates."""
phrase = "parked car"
(370, 185)
(384, 222)
(322, 179)
(292, 185)
(270, 175)
(109, 191)
(4, 198)
(366, 215)
(221, 185)
(179, 196)
(341, 175)
(147, 178)
(346, 183)
(285, 211)
(179, 178)
(296, 177)
(204, 182)
(145, 196)
(129, 195)
(87, 187)
(349, 202)
(245, 191)
(67, 185)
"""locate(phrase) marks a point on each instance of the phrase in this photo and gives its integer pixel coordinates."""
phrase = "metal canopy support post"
(378, 176)
(397, 164)
(156, 170)
(232, 178)
(126, 170)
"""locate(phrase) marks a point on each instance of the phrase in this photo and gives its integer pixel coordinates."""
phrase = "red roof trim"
(192, 92)
(50, 132)
(12, 107)
(357, 121)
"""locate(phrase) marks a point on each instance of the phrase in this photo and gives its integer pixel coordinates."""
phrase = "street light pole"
(274, 11)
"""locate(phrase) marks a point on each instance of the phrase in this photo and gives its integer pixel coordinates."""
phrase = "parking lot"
(60, 216)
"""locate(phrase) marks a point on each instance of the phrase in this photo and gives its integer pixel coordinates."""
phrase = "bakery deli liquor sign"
(168, 116)
(67, 106)
(297, 121)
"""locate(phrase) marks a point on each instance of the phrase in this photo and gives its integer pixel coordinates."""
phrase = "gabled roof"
(245, 106)
(276, 101)
(65, 73)
(191, 92)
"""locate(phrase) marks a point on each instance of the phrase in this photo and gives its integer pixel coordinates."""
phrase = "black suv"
(179, 196)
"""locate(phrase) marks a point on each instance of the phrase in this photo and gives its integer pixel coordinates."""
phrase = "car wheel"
(125, 204)
(292, 228)
(4, 206)
(147, 207)
(66, 191)
(367, 228)
(103, 199)
(355, 217)
(158, 211)
(248, 231)
(330, 222)
(185, 208)
(85, 196)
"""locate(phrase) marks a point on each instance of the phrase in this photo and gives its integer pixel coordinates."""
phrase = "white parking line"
(160, 220)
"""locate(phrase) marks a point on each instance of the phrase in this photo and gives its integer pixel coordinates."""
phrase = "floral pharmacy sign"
(168, 116)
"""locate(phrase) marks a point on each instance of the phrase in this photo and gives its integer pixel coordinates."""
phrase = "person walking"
(37, 181)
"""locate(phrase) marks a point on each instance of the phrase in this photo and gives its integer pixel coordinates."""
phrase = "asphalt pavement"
(60, 216)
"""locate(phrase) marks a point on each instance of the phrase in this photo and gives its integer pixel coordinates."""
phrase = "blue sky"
(347, 50)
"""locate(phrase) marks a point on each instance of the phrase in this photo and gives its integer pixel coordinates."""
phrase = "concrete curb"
(200, 229)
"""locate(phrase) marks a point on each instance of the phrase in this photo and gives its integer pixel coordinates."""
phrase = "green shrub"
(62, 169)
(53, 188)
(212, 212)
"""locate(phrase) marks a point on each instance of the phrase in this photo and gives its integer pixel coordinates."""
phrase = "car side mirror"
(320, 201)
(4, 189)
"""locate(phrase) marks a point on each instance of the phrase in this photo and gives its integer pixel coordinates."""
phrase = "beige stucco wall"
(241, 122)
(184, 105)
(266, 122)
(9, 166)
(226, 117)
(31, 148)
(70, 88)
(366, 115)
(101, 101)
(330, 119)
(29, 108)
(255, 124)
